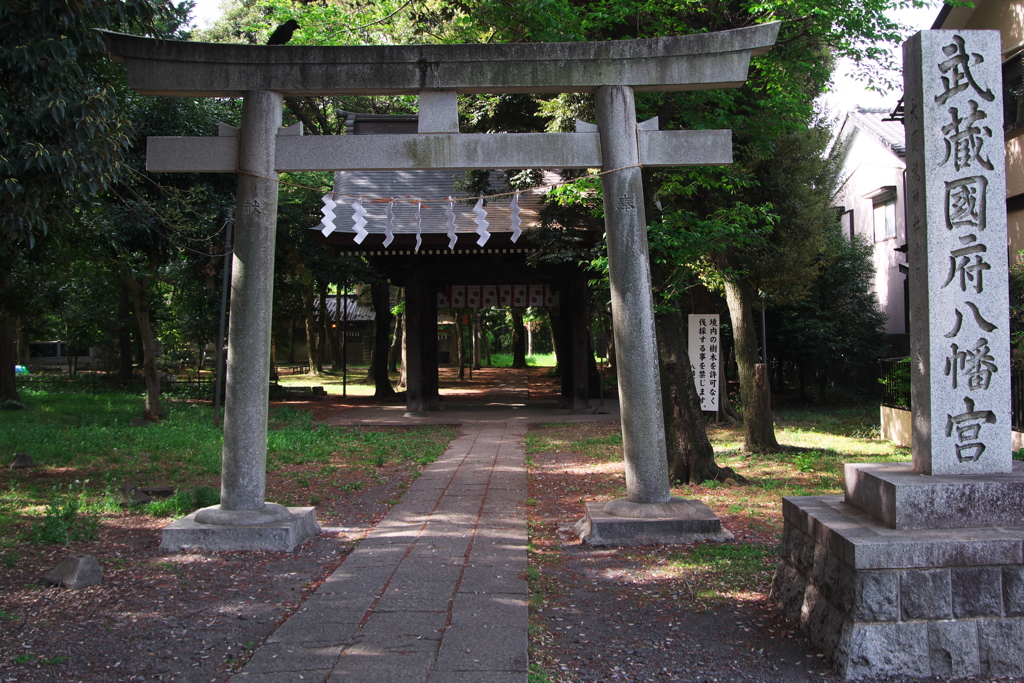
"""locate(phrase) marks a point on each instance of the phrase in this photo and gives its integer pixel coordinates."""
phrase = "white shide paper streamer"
(513, 208)
(419, 227)
(481, 223)
(389, 225)
(450, 214)
(357, 217)
(328, 212)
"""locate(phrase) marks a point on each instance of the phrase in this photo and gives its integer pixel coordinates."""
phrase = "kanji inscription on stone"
(956, 190)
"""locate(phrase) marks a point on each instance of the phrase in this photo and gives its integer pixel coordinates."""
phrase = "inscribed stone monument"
(959, 298)
(918, 571)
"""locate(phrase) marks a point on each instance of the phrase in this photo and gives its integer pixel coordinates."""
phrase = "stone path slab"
(436, 592)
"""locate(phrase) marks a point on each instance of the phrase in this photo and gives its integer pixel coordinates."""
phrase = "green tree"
(1017, 310)
(153, 229)
(838, 329)
(63, 132)
(766, 116)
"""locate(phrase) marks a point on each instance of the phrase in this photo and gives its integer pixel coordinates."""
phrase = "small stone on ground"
(77, 571)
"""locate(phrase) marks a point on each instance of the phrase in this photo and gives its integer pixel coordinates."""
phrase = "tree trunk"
(395, 353)
(153, 410)
(402, 376)
(484, 341)
(518, 339)
(325, 324)
(802, 365)
(460, 344)
(758, 425)
(67, 352)
(475, 336)
(291, 341)
(337, 343)
(312, 329)
(8, 352)
(691, 459)
(553, 328)
(21, 341)
(379, 290)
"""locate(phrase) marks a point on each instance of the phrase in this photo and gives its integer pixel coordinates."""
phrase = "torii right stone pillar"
(648, 513)
(629, 274)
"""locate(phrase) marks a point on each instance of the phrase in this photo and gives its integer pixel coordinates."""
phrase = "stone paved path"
(437, 592)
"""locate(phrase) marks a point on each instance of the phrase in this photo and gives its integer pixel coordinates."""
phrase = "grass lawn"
(87, 446)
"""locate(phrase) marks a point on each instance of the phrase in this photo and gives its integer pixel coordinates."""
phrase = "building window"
(885, 218)
(846, 221)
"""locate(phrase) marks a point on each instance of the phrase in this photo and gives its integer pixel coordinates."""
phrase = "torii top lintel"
(691, 62)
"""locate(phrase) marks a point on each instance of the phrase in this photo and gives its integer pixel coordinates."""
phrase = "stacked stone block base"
(283, 536)
(679, 521)
(882, 602)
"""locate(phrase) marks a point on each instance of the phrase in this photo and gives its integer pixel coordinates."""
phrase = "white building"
(871, 200)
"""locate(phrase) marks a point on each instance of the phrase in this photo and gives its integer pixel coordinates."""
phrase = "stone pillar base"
(882, 602)
(621, 523)
(279, 536)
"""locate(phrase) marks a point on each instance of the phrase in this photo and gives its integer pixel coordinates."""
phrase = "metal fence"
(895, 379)
(1017, 399)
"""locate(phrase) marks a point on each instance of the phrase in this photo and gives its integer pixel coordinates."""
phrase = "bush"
(184, 502)
(62, 522)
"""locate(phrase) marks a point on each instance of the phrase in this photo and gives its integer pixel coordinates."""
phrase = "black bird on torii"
(283, 33)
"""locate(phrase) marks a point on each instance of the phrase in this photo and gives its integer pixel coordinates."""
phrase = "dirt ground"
(596, 614)
(182, 617)
(620, 614)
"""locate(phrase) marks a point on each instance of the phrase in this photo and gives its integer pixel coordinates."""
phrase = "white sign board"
(704, 344)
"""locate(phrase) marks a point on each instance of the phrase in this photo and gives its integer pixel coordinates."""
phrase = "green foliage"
(838, 327)
(63, 129)
(897, 383)
(420, 448)
(62, 521)
(537, 360)
(537, 674)
(1017, 310)
(181, 503)
(564, 438)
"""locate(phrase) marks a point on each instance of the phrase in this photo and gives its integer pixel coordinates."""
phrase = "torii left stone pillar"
(244, 462)
(243, 519)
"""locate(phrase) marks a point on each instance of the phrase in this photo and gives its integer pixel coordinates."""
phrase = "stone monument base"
(884, 602)
(280, 536)
(622, 523)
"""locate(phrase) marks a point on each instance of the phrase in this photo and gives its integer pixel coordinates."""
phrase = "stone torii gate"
(263, 75)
